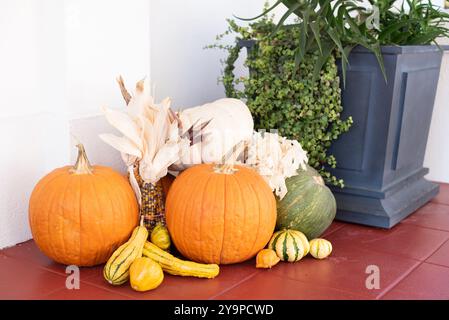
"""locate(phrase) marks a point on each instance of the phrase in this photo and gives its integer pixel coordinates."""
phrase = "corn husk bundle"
(150, 144)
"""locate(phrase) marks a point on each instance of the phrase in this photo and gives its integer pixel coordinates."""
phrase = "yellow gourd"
(161, 237)
(320, 248)
(116, 270)
(175, 266)
(266, 258)
(289, 245)
(145, 274)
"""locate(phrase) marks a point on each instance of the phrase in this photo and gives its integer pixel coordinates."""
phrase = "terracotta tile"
(443, 196)
(336, 225)
(441, 256)
(346, 268)
(29, 252)
(266, 285)
(19, 280)
(405, 240)
(85, 292)
(177, 287)
(428, 281)
(432, 215)
(395, 294)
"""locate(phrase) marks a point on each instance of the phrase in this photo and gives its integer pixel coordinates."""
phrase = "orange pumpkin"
(220, 214)
(81, 214)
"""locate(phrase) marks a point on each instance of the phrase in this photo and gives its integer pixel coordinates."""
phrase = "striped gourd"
(320, 248)
(175, 266)
(116, 270)
(309, 206)
(289, 245)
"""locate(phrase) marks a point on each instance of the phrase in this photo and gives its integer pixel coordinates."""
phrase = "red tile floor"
(412, 259)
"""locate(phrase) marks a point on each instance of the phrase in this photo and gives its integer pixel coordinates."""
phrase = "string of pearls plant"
(280, 98)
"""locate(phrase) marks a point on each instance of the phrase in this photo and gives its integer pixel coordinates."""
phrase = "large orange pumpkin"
(220, 214)
(81, 214)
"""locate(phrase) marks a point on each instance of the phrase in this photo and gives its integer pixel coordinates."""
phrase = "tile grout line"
(234, 286)
(333, 231)
(398, 280)
(436, 202)
(50, 293)
(438, 248)
(395, 283)
(424, 227)
(407, 257)
(106, 289)
(440, 203)
(327, 287)
(436, 264)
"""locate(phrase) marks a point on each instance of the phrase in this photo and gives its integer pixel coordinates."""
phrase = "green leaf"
(285, 16)
(314, 26)
(345, 64)
(328, 47)
(303, 34)
(334, 36)
(299, 56)
(377, 52)
(263, 13)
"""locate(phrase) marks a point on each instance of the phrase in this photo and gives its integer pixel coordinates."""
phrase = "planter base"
(384, 209)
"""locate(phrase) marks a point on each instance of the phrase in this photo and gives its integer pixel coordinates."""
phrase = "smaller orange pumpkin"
(80, 214)
(266, 258)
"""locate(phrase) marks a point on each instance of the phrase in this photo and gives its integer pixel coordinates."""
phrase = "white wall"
(59, 60)
(437, 152)
(33, 126)
(180, 67)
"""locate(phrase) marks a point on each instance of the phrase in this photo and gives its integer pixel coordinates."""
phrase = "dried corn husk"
(150, 144)
(275, 158)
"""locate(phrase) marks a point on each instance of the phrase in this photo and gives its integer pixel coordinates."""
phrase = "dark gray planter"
(381, 157)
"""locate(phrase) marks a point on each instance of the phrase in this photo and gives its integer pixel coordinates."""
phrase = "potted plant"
(388, 71)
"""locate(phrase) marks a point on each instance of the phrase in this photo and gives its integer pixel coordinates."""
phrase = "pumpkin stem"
(225, 168)
(82, 165)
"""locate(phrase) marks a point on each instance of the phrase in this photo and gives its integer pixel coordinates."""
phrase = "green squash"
(309, 206)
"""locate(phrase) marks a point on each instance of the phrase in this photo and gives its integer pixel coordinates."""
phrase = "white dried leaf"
(275, 158)
(122, 144)
(125, 124)
(134, 184)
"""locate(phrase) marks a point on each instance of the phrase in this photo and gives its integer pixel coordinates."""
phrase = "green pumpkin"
(309, 206)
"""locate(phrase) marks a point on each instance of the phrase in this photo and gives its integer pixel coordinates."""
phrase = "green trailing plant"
(286, 98)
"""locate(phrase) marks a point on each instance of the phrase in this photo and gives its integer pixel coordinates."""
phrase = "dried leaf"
(122, 144)
(123, 90)
(275, 158)
(123, 123)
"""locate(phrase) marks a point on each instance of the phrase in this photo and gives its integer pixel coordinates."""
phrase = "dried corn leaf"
(275, 158)
(125, 124)
(122, 144)
(123, 89)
